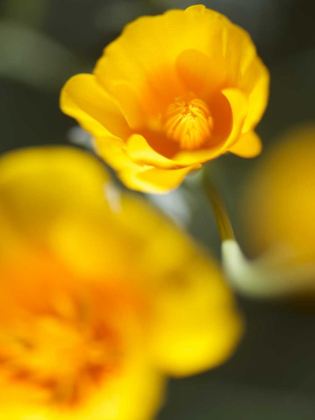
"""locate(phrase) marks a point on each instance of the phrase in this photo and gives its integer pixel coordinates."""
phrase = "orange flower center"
(188, 122)
(63, 353)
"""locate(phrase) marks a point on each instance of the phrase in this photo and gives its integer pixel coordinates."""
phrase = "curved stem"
(221, 215)
(256, 279)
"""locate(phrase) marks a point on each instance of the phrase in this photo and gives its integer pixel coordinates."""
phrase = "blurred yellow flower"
(279, 204)
(172, 92)
(97, 306)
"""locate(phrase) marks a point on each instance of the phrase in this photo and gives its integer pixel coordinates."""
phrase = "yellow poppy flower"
(279, 205)
(172, 92)
(97, 306)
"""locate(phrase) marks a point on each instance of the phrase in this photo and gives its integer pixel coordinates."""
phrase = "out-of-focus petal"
(197, 325)
(93, 311)
(279, 204)
(37, 186)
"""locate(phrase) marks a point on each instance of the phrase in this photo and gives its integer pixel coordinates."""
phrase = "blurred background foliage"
(44, 42)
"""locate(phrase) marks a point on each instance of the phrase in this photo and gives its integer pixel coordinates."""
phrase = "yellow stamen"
(189, 122)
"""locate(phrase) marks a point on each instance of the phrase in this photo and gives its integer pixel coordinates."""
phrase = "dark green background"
(43, 42)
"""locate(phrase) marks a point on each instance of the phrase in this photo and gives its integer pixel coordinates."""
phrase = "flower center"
(64, 357)
(188, 122)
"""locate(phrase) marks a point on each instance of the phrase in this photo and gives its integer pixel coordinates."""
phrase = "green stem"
(221, 215)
